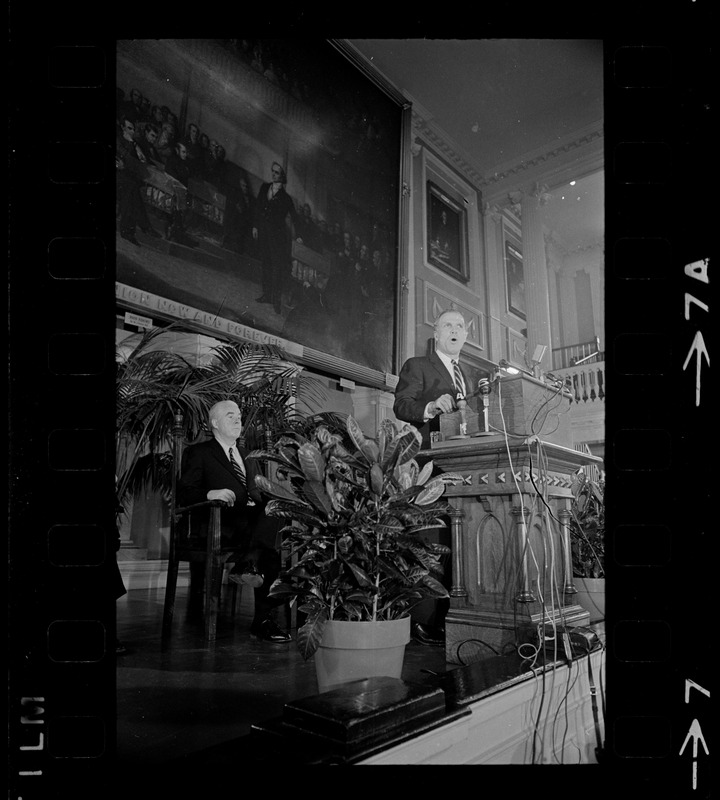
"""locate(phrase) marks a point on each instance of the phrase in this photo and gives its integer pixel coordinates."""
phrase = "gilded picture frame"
(446, 239)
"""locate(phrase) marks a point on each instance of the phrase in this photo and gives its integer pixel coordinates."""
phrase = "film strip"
(656, 257)
(659, 281)
(62, 536)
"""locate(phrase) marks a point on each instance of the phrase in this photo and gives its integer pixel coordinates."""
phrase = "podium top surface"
(495, 444)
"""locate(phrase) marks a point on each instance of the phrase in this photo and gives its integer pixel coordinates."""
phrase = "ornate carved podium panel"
(511, 565)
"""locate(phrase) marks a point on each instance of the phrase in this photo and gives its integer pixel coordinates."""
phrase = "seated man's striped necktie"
(237, 468)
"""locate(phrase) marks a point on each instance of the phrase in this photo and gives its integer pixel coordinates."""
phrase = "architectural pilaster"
(553, 268)
(492, 241)
(537, 303)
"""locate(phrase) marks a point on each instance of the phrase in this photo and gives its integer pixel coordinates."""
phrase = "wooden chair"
(194, 549)
(184, 545)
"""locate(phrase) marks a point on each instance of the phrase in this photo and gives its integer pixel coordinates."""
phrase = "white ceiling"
(499, 99)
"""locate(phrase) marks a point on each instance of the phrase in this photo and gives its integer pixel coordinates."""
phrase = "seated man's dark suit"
(422, 379)
(251, 534)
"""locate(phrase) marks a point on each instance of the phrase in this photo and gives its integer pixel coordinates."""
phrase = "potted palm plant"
(163, 391)
(356, 508)
(587, 529)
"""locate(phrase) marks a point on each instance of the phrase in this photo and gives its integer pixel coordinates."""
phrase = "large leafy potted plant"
(587, 529)
(355, 508)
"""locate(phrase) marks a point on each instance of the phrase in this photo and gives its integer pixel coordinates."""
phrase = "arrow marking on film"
(697, 346)
(696, 734)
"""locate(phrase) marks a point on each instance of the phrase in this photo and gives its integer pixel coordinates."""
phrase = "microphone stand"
(484, 389)
(461, 403)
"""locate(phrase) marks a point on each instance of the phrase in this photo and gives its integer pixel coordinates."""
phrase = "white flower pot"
(591, 596)
(351, 651)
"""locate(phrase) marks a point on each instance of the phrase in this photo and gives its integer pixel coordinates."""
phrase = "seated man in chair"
(216, 470)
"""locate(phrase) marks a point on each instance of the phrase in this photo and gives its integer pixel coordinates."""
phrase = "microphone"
(484, 388)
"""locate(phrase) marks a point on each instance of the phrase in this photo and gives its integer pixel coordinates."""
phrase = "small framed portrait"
(515, 280)
(446, 233)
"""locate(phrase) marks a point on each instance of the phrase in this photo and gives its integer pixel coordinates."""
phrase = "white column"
(536, 277)
(568, 305)
(597, 288)
(553, 267)
(494, 288)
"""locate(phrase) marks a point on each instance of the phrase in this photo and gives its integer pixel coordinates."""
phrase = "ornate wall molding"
(543, 159)
(426, 132)
(493, 212)
(429, 133)
(552, 239)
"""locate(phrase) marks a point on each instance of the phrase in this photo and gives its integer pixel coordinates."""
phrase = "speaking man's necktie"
(459, 382)
(237, 468)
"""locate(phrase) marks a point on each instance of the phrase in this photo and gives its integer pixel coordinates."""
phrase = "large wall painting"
(259, 181)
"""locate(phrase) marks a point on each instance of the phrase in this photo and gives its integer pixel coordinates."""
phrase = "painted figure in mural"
(148, 144)
(131, 172)
(274, 230)
(178, 166)
(240, 203)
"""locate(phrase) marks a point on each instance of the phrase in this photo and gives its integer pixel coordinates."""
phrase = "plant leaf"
(376, 479)
(310, 634)
(360, 597)
(298, 512)
(432, 587)
(278, 458)
(360, 575)
(371, 451)
(386, 433)
(405, 480)
(425, 473)
(389, 568)
(314, 492)
(355, 432)
(281, 589)
(312, 462)
(432, 492)
(276, 490)
(409, 445)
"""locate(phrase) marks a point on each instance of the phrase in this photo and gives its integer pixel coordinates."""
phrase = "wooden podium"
(511, 565)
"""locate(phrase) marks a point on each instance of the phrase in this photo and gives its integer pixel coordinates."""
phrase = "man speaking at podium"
(428, 387)
(431, 385)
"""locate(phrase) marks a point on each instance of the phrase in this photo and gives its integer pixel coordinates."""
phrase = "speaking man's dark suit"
(252, 535)
(422, 379)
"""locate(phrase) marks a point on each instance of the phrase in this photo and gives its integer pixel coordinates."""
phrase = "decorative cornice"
(541, 192)
(594, 245)
(540, 159)
(552, 239)
(493, 211)
(424, 130)
(435, 137)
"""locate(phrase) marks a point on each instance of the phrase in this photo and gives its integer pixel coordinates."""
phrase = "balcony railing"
(587, 352)
(585, 380)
